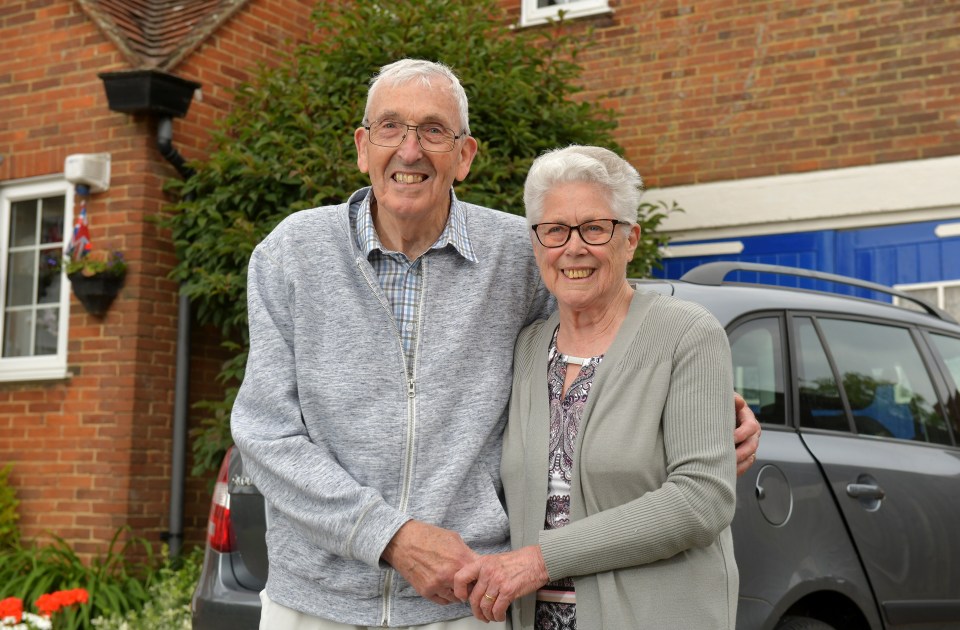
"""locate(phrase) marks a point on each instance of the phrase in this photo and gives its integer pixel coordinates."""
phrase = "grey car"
(850, 518)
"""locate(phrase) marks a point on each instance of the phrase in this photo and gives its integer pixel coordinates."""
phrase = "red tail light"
(220, 533)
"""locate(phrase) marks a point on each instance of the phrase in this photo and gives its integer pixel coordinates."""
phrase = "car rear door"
(790, 541)
(872, 413)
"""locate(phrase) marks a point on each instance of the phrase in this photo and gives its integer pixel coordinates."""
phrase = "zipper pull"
(411, 388)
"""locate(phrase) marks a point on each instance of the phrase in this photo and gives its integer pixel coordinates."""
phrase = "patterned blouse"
(556, 601)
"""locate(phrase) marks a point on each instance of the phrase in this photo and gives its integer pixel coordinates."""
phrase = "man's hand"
(428, 557)
(746, 435)
(492, 582)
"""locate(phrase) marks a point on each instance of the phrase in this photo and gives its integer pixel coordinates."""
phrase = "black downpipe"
(178, 462)
(168, 151)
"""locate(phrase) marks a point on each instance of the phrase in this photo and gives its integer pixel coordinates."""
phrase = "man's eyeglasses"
(431, 136)
(597, 232)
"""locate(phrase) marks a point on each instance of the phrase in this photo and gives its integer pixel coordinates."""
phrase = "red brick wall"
(92, 453)
(727, 89)
(224, 60)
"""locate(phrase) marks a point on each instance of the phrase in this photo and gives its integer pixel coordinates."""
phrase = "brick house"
(810, 120)
(87, 404)
(818, 134)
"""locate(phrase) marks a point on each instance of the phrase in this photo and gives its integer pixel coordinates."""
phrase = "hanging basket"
(96, 292)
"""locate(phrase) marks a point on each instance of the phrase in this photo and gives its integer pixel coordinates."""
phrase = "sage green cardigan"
(653, 488)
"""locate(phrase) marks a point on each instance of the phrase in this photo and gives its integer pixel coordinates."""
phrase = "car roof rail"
(713, 274)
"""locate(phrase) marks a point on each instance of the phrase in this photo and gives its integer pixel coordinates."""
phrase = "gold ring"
(492, 598)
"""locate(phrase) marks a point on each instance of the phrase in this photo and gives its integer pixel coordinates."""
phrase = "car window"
(886, 383)
(949, 348)
(757, 354)
(818, 394)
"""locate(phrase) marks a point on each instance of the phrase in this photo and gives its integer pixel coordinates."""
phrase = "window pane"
(33, 298)
(949, 348)
(950, 351)
(928, 294)
(16, 336)
(48, 323)
(758, 368)
(23, 223)
(20, 282)
(951, 300)
(820, 403)
(888, 387)
(48, 283)
(51, 220)
(946, 295)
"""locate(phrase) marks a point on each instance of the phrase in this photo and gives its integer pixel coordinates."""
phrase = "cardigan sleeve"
(696, 500)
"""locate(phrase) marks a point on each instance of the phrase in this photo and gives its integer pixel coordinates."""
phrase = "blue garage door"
(899, 254)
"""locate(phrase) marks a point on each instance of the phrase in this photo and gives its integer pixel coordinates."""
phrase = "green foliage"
(94, 263)
(288, 143)
(9, 532)
(214, 432)
(647, 257)
(168, 604)
(114, 583)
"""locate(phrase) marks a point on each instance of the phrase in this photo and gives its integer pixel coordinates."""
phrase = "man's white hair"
(407, 70)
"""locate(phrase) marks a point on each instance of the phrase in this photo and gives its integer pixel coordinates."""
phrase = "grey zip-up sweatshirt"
(344, 446)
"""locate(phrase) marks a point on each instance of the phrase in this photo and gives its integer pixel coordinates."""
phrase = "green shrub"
(114, 583)
(168, 603)
(9, 532)
(288, 143)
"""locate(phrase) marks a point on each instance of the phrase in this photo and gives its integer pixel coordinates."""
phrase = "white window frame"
(532, 15)
(50, 366)
(939, 285)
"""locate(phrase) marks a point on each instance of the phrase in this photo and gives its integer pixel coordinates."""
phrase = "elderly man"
(381, 346)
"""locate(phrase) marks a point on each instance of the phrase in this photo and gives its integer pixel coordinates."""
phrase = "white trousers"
(274, 616)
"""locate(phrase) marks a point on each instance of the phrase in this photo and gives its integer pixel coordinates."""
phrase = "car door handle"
(865, 491)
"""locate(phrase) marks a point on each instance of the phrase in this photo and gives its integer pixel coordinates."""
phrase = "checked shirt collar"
(454, 232)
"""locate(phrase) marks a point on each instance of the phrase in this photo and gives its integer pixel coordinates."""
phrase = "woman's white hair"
(406, 70)
(587, 164)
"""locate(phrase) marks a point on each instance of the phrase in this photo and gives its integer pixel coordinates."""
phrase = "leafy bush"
(114, 583)
(288, 143)
(168, 604)
(9, 532)
(647, 256)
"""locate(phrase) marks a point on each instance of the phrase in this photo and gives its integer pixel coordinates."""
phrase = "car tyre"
(803, 623)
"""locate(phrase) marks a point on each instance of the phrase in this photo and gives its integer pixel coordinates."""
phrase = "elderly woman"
(618, 467)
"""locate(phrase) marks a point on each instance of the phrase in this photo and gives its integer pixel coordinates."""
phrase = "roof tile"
(159, 33)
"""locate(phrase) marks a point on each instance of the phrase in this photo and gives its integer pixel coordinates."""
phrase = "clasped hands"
(443, 569)
(440, 566)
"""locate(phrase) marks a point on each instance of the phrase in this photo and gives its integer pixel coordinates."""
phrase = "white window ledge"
(12, 374)
(531, 15)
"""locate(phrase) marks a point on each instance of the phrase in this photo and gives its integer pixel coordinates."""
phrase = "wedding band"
(488, 596)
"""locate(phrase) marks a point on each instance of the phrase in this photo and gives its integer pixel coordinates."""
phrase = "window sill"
(27, 374)
(543, 16)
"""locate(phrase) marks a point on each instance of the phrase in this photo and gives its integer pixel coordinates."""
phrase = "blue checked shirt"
(400, 278)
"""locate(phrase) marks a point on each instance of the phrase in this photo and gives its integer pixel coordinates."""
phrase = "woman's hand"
(492, 582)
